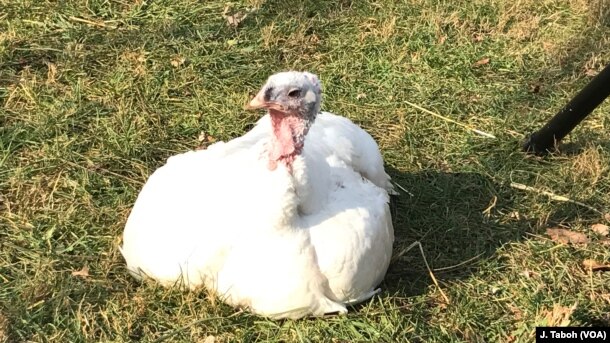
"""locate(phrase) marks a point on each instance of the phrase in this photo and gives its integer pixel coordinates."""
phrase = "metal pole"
(545, 139)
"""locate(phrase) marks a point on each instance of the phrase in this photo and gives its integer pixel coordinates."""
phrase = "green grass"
(89, 109)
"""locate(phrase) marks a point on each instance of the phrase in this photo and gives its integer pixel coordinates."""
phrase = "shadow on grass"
(460, 219)
(447, 214)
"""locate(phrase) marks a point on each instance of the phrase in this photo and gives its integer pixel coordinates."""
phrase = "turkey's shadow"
(460, 219)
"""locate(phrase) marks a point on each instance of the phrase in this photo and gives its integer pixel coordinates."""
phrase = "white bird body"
(299, 238)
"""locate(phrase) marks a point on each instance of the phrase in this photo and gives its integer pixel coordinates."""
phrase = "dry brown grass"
(136, 61)
(589, 166)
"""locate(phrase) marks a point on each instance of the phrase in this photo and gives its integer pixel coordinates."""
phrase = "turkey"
(290, 220)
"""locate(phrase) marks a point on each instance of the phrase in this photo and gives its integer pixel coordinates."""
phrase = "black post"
(574, 112)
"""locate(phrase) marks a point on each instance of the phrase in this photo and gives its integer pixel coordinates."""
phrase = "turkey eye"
(294, 93)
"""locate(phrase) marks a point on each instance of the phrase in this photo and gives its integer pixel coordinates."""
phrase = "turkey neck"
(288, 137)
(307, 175)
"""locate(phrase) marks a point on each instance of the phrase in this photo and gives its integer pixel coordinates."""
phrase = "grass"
(94, 95)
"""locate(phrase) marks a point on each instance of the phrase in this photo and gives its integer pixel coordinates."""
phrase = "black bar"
(545, 139)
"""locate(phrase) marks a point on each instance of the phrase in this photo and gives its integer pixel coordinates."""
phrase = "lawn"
(94, 95)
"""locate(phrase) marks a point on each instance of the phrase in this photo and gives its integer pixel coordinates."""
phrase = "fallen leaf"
(481, 62)
(442, 306)
(83, 272)
(517, 313)
(360, 96)
(177, 61)
(535, 88)
(52, 71)
(591, 72)
(477, 37)
(567, 236)
(442, 39)
(235, 18)
(559, 315)
(607, 216)
(209, 339)
(600, 229)
(593, 265)
(205, 140)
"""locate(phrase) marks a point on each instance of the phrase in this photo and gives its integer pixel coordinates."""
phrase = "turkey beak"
(257, 102)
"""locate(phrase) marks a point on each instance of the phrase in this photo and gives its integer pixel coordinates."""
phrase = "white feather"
(283, 244)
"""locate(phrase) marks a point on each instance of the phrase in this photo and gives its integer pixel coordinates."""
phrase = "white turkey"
(289, 220)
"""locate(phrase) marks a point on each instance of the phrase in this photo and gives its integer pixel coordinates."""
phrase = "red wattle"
(288, 137)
